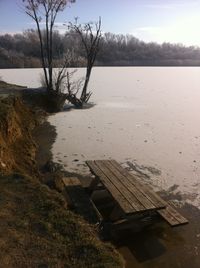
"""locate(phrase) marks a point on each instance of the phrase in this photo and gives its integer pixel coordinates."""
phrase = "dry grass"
(37, 230)
(36, 227)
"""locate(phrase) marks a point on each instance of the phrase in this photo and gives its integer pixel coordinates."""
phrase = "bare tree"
(45, 11)
(90, 35)
(65, 82)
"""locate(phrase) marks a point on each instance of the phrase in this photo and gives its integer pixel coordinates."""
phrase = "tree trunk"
(41, 49)
(87, 78)
(74, 100)
(51, 57)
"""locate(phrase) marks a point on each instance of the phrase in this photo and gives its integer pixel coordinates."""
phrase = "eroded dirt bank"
(37, 228)
(17, 147)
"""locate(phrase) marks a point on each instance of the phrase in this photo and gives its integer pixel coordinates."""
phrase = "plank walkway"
(131, 195)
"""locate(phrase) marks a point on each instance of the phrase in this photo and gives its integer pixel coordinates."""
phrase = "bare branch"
(46, 10)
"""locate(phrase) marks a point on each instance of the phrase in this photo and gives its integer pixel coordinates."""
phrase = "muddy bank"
(17, 147)
(37, 227)
(45, 135)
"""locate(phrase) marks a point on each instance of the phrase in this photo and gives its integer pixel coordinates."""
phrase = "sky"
(174, 21)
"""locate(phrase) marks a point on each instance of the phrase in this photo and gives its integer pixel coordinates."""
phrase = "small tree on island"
(45, 12)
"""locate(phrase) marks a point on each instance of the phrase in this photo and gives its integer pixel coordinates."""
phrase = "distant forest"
(23, 51)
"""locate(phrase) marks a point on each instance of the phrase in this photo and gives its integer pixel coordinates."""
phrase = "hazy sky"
(175, 21)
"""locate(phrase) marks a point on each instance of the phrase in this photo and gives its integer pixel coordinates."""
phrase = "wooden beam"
(71, 181)
(172, 216)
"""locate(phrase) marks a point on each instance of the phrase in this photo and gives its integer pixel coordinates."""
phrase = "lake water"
(146, 116)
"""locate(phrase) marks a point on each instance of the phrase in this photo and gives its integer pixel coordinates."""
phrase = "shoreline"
(156, 247)
(136, 248)
(34, 214)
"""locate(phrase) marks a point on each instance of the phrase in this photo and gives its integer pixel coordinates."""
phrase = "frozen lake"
(146, 116)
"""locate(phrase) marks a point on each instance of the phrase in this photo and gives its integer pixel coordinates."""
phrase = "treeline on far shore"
(23, 51)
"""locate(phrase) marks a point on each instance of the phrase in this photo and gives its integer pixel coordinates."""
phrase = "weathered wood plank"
(111, 188)
(96, 210)
(176, 214)
(168, 217)
(130, 187)
(71, 181)
(78, 200)
(172, 216)
(156, 200)
(70, 185)
(121, 188)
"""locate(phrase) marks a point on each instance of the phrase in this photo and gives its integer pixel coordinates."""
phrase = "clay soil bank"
(37, 227)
